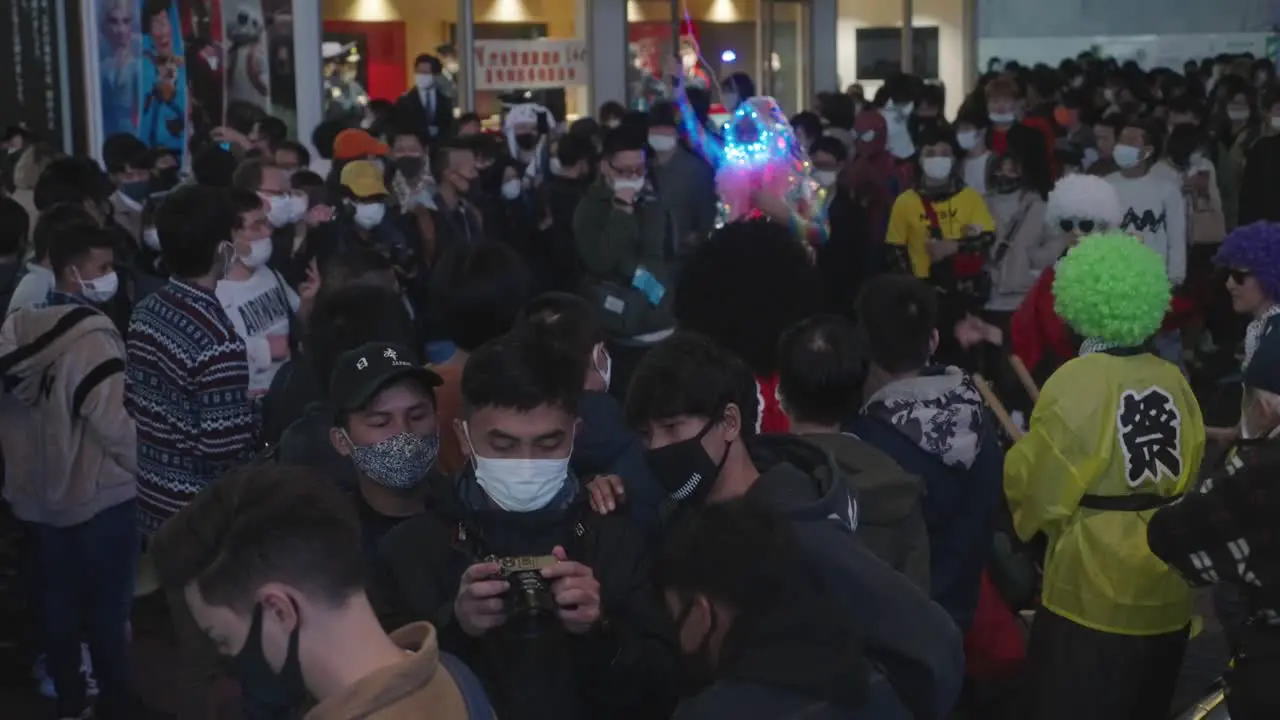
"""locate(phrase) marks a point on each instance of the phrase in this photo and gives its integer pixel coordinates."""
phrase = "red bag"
(995, 648)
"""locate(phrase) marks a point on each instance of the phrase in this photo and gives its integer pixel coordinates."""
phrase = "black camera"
(529, 598)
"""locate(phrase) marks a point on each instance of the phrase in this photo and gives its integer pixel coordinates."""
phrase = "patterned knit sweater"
(186, 384)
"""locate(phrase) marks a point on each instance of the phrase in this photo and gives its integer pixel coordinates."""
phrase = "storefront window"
(517, 65)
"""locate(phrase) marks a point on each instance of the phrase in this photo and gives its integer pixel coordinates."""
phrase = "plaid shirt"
(1228, 530)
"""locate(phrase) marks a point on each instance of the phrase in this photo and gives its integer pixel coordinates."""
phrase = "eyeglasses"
(1084, 227)
(1239, 276)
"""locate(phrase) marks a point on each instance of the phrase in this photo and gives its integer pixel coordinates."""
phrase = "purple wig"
(1256, 248)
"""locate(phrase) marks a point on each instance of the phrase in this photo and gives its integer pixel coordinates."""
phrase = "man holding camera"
(546, 601)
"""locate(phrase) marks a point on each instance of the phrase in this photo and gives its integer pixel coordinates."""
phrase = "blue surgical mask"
(1127, 156)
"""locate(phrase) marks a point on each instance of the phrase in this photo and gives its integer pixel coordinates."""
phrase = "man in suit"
(425, 107)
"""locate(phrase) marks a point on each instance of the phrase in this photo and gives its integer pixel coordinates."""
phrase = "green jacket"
(613, 244)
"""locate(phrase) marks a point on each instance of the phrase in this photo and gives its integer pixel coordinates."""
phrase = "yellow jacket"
(909, 224)
(1107, 425)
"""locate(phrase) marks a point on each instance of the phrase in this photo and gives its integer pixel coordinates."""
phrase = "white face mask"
(298, 207)
(1004, 118)
(636, 184)
(1127, 156)
(1237, 114)
(151, 238)
(611, 124)
(100, 290)
(280, 210)
(511, 189)
(937, 168)
(662, 143)
(259, 253)
(1275, 123)
(424, 81)
(825, 178)
(368, 215)
(605, 372)
(968, 139)
(519, 484)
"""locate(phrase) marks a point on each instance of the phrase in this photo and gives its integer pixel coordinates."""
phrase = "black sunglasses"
(1239, 276)
(1084, 226)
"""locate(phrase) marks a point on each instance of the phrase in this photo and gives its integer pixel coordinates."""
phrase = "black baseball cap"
(362, 373)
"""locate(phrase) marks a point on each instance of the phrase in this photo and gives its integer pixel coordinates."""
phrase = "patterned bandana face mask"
(400, 462)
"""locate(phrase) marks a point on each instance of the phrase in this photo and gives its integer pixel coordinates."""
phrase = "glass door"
(785, 57)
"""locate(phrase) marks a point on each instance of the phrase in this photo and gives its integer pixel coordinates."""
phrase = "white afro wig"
(1084, 197)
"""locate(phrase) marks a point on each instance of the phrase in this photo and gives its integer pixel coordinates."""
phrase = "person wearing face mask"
(695, 406)
(518, 498)
(526, 126)
(425, 107)
(411, 183)
(261, 305)
(685, 181)
(927, 111)
(128, 163)
(1155, 211)
(931, 220)
(385, 422)
(1021, 232)
(458, 222)
(285, 211)
(844, 259)
(971, 136)
(70, 462)
(1008, 128)
(606, 451)
(899, 101)
(1236, 128)
(611, 114)
(298, 634)
(761, 639)
(622, 231)
(364, 221)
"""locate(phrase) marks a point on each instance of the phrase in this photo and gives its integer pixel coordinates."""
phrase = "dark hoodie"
(890, 519)
(907, 635)
(606, 445)
(621, 669)
(937, 427)
(784, 661)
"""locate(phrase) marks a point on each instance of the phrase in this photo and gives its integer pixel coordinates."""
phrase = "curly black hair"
(746, 284)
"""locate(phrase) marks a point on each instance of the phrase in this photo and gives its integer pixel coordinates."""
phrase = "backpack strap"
(473, 694)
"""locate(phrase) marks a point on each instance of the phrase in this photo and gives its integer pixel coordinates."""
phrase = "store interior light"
(728, 56)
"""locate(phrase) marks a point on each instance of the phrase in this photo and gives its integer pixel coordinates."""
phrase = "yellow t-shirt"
(909, 224)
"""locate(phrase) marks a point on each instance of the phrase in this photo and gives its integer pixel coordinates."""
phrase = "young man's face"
(95, 264)
(406, 146)
(229, 630)
(403, 407)
(1105, 135)
(288, 160)
(253, 226)
(543, 433)
(462, 169)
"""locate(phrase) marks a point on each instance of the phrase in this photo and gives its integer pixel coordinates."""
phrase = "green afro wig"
(1113, 288)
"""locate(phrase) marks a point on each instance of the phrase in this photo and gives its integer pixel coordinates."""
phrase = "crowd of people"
(446, 422)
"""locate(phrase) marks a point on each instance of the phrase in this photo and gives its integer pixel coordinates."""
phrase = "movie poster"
(31, 84)
(172, 70)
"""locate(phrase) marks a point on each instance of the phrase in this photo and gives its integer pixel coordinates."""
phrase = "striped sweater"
(186, 384)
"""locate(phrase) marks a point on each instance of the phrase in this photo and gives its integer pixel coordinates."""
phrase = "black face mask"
(409, 166)
(165, 180)
(526, 142)
(258, 681)
(685, 470)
